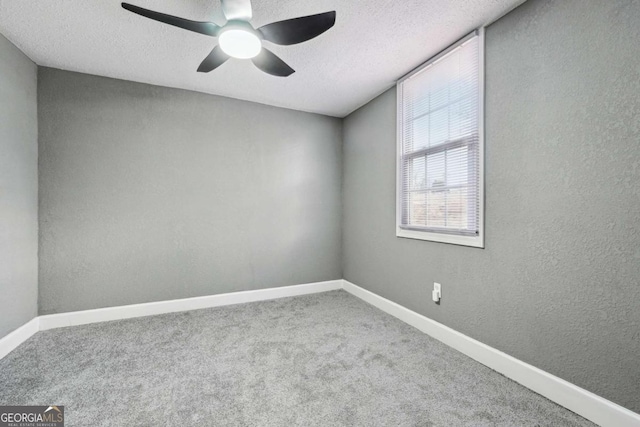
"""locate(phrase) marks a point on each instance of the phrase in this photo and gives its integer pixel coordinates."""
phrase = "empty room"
(320, 213)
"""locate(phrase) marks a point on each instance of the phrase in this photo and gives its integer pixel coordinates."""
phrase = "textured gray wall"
(558, 283)
(149, 193)
(18, 188)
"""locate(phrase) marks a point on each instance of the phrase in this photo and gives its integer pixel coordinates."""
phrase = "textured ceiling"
(372, 44)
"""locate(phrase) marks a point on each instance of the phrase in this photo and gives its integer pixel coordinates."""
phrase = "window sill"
(452, 239)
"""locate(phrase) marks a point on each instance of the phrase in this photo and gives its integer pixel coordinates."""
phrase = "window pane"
(435, 170)
(440, 81)
(436, 208)
(417, 209)
(463, 118)
(439, 129)
(458, 166)
(417, 174)
(420, 133)
(457, 208)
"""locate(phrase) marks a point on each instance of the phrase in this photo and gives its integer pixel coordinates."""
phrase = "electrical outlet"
(436, 294)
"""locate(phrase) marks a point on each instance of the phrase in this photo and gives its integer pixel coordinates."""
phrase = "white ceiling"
(373, 43)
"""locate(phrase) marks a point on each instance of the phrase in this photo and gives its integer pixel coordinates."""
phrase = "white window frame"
(476, 241)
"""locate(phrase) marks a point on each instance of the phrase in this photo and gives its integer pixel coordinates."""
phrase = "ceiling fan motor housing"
(237, 24)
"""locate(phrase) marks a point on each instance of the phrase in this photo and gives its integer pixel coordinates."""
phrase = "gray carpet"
(319, 360)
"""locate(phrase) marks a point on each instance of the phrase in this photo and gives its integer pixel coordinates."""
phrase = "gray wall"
(149, 193)
(18, 188)
(558, 283)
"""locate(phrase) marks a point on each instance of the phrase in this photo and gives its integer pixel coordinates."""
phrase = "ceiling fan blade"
(206, 28)
(215, 59)
(298, 30)
(237, 9)
(268, 62)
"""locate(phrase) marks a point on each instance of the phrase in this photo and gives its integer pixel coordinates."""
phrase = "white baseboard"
(12, 340)
(149, 309)
(589, 405)
(51, 321)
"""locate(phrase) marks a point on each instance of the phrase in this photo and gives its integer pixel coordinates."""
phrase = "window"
(440, 193)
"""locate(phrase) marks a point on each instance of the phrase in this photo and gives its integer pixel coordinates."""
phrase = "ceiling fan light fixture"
(238, 39)
(239, 43)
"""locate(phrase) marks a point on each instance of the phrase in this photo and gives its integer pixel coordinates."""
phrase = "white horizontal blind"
(439, 139)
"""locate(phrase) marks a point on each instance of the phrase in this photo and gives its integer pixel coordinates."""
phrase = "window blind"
(439, 143)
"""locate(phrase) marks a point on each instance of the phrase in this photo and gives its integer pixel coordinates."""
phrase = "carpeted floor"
(319, 360)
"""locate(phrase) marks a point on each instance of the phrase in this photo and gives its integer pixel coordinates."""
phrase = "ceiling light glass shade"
(240, 43)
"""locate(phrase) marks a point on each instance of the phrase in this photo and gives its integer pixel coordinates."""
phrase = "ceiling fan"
(238, 39)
